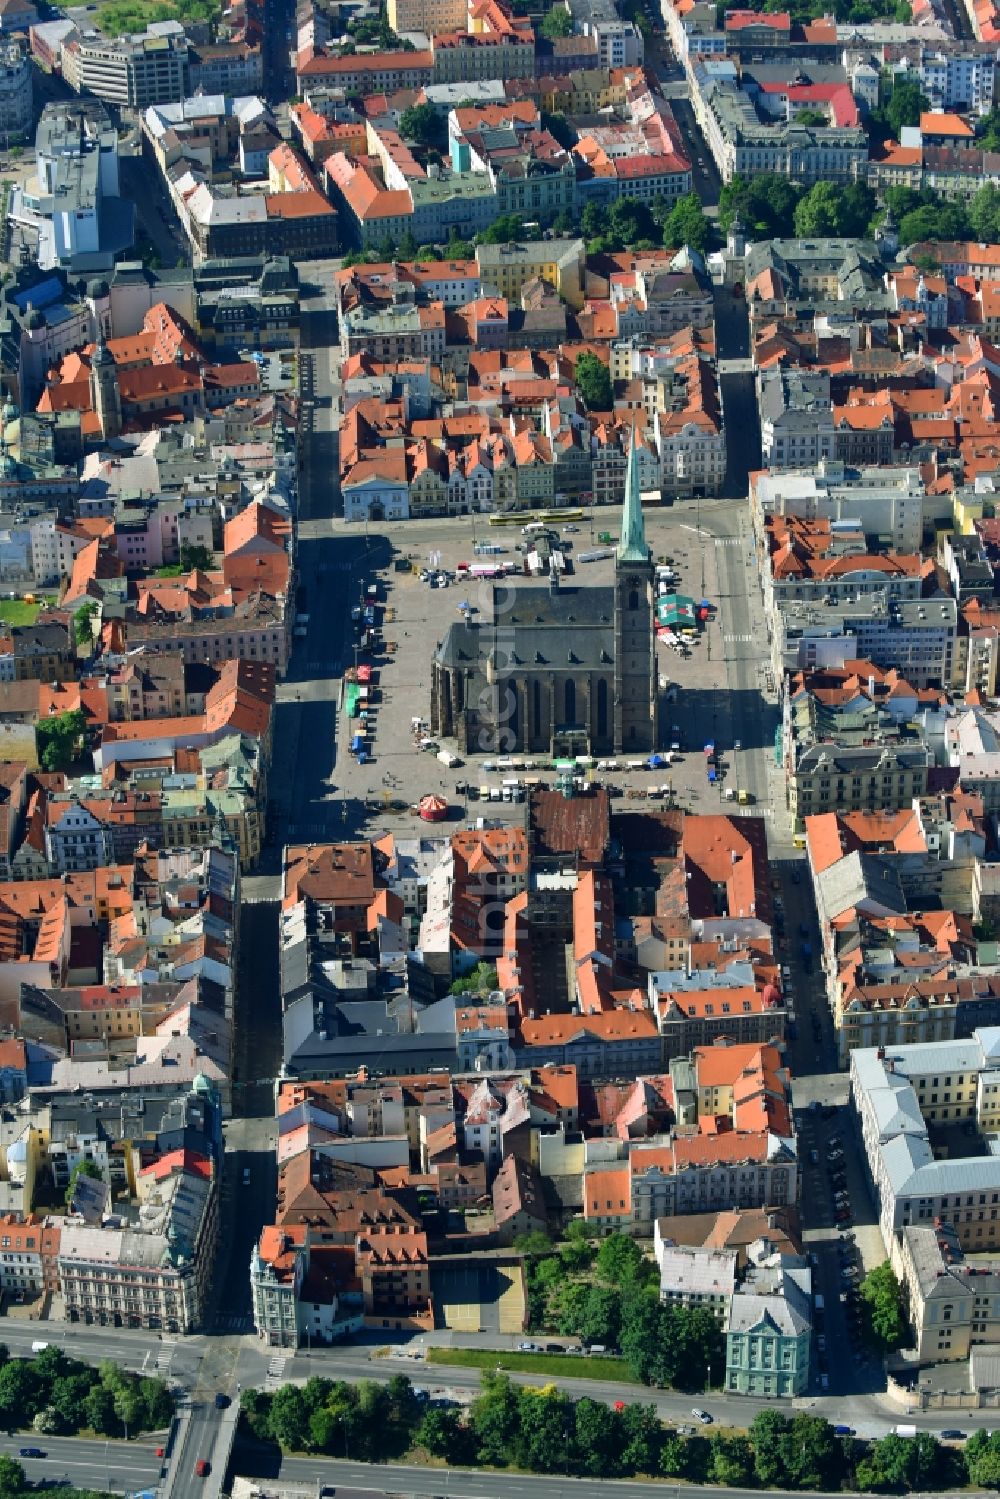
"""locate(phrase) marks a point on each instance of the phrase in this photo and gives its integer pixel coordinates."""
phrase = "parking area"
(398, 763)
(843, 1242)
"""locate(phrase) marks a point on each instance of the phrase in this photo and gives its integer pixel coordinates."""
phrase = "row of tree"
(59, 1395)
(772, 207)
(14, 1484)
(610, 1295)
(545, 1431)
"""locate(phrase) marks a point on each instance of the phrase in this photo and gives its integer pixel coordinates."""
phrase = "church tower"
(104, 392)
(635, 648)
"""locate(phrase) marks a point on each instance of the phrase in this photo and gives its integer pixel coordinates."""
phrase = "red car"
(159, 1451)
(202, 1468)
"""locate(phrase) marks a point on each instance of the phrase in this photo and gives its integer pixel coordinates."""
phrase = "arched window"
(633, 599)
(570, 702)
(602, 706)
(536, 703)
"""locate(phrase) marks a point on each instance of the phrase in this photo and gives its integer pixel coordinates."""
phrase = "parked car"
(950, 1434)
(843, 1431)
(702, 1416)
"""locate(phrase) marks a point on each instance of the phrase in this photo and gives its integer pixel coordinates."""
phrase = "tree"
(811, 1455)
(289, 1420)
(730, 1461)
(882, 1294)
(505, 230)
(629, 221)
(99, 1411)
(481, 980)
(600, 1316)
(83, 633)
(818, 213)
(12, 1479)
(543, 1419)
(157, 1404)
(765, 204)
(984, 214)
(196, 558)
(58, 739)
(19, 1394)
(68, 1399)
(87, 1168)
(982, 1459)
(561, 130)
(495, 1420)
(557, 22)
(593, 221)
(767, 1431)
(907, 104)
(934, 221)
(597, 1438)
(422, 124)
(642, 1439)
(686, 224)
(440, 1435)
(618, 1260)
(593, 379)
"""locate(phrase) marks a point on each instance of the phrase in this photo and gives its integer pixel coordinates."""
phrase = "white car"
(702, 1416)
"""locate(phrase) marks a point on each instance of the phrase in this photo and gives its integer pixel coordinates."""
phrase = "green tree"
(196, 558)
(82, 632)
(767, 1432)
(982, 1459)
(686, 224)
(811, 1455)
(600, 1316)
(495, 1420)
(818, 213)
(765, 204)
(68, 1398)
(90, 1170)
(20, 1394)
(481, 980)
(59, 739)
(561, 130)
(618, 1260)
(255, 1406)
(593, 221)
(597, 1438)
(289, 1419)
(934, 221)
(543, 1417)
(422, 124)
(13, 1483)
(505, 230)
(629, 222)
(730, 1461)
(883, 1296)
(556, 22)
(593, 379)
(440, 1434)
(642, 1439)
(99, 1411)
(984, 214)
(640, 1341)
(907, 104)
(157, 1404)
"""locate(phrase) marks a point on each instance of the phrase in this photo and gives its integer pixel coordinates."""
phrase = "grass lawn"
(570, 1366)
(118, 17)
(17, 612)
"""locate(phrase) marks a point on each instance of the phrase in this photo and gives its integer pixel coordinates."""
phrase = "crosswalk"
(234, 1322)
(729, 541)
(737, 639)
(276, 1368)
(164, 1355)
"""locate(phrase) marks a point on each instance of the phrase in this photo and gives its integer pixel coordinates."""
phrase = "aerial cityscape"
(499, 748)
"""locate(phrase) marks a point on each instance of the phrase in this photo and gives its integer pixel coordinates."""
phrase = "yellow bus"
(560, 515)
(512, 518)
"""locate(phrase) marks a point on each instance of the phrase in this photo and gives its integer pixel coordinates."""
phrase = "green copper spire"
(632, 546)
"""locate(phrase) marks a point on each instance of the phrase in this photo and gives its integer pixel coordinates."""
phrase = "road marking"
(728, 541)
(737, 639)
(276, 1368)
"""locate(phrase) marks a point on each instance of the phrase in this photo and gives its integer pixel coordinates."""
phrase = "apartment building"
(769, 1331)
(953, 1304)
(155, 1272)
(16, 93)
(828, 777)
(431, 17)
(693, 1276)
(131, 72)
(888, 501)
(900, 1097)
